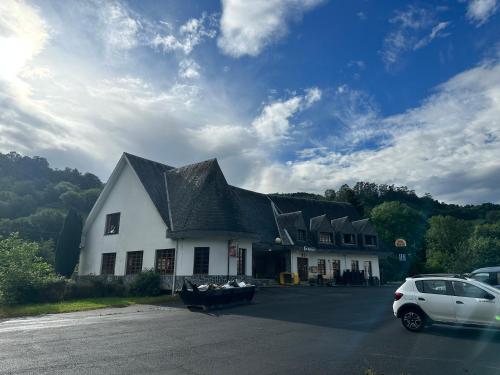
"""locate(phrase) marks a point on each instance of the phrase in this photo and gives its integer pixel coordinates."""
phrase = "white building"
(189, 222)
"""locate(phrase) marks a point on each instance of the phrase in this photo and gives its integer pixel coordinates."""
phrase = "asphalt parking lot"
(285, 331)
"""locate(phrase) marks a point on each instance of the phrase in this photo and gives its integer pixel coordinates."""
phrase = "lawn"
(79, 305)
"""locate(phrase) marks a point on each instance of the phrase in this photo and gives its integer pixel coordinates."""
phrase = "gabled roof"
(291, 220)
(201, 200)
(288, 224)
(311, 208)
(320, 223)
(151, 175)
(364, 227)
(343, 225)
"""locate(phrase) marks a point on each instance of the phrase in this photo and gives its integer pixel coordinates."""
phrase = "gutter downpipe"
(175, 265)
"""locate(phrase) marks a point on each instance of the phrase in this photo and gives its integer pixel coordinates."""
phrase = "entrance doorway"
(303, 268)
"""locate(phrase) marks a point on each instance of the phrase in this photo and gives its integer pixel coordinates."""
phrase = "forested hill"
(34, 198)
(367, 195)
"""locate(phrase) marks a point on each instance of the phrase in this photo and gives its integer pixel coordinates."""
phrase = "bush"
(95, 287)
(22, 271)
(146, 283)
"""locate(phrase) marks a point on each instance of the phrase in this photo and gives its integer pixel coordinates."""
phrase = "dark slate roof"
(201, 200)
(288, 224)
(151, 174)
(257, 214)
(343, 225)
(311, 208)
(364, 226)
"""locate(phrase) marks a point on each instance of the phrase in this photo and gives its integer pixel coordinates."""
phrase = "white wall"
(218, 261)
(344, 258)
(142, 228)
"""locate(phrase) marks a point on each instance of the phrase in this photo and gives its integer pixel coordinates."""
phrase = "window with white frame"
(325, 237)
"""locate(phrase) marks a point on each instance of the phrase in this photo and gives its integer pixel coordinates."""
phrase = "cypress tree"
(68, 244)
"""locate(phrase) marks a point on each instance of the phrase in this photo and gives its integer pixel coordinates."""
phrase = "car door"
(436, 299)
(474, 305)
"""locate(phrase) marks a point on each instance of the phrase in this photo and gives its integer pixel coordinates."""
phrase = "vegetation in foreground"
(79, 305)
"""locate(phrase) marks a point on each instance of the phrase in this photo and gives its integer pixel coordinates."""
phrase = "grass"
(78, 305)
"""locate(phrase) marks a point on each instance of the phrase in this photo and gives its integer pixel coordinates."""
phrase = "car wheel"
(413, 320)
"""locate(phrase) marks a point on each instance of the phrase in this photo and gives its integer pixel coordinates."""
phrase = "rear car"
(426, 299)
(488, 275)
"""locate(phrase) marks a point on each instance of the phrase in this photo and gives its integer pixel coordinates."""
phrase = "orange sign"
(400, 243)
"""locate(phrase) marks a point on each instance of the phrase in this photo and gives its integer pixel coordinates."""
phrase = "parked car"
(426, 299)
(488, 275)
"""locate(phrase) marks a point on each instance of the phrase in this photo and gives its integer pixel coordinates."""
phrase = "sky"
(288, 95)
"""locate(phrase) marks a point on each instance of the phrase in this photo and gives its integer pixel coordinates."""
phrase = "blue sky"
(295, 95)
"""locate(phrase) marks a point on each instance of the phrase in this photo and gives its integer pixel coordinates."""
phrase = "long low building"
(189, 222)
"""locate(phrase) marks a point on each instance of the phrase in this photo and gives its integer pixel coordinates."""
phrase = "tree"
(346, 194)
(483, 248)
(68, 245)
(330, 194)
(22, 271)
(446, 240)
(395, 220)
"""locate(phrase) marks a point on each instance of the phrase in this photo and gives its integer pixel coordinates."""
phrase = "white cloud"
(414, 28)
(190, 34)
(121, 28)
(189, 69)
(273, 124)
(247, 27)
(479, 11)
(448, 146)
(435, 32)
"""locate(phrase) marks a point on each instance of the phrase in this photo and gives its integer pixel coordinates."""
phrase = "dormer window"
(112, 224)
(301, 235)
(349, 239)
(370, 240)
(325, 237)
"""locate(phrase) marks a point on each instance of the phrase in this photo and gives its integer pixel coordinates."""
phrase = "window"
(242, 261)
(463, 289)
(483, 277)
(370, 240)
(432, 286)
(321, 267)
(336, 268)
(112, 223)
(354, 265)
(368, 268)
(201, 259)
(301, 235)
(325, 237)
(134, 262)
(108, 264)
(349, 239)
(165, 260)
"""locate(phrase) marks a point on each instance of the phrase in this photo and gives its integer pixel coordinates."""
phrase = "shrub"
(95, 287)
(22, 271)
(146, 283)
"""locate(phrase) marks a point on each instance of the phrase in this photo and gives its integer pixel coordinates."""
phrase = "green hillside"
(34, 198)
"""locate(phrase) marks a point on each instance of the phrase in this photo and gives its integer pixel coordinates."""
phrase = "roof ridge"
(128, 154)
(211, 161)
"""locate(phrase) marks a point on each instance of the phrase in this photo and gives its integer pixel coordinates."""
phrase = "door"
(302, 268)
(474, 305)
(436, 299)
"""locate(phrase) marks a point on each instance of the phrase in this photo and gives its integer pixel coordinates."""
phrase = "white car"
(425, 299)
